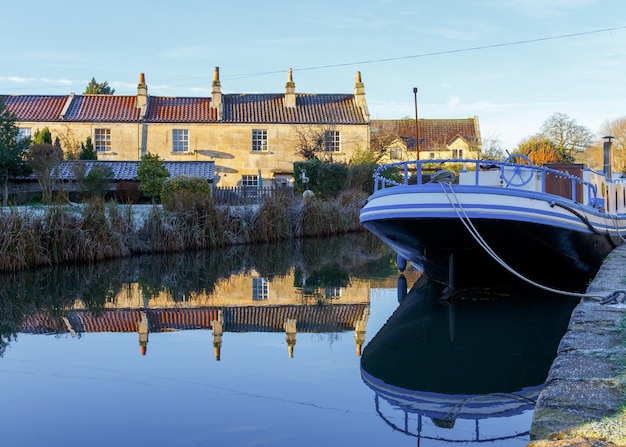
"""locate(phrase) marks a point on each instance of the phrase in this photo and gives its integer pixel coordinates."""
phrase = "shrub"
(185, 192)
(326, 180)
(151, 174)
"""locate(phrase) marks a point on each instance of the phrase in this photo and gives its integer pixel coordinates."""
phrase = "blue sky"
(465, 57)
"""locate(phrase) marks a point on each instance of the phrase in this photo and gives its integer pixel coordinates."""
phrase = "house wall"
(228, 145)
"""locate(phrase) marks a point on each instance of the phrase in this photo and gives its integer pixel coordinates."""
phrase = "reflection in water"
(467, 371)
(294, 286)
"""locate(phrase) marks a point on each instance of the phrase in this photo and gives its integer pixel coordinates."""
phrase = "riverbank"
(96, 231)
(583, 403)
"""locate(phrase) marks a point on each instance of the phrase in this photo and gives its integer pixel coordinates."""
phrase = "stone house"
(252, 139)
(438, 138)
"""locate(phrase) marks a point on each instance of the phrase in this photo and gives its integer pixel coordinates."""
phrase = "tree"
(540, 150)
(12, 151)
(566, 135)
(617, 130)
(42, 136)
(151, 174)
(43, 159)
(490, 148)
(87, 151)
(69, 143)
(315, 143)
(97, 88)
(96, 183)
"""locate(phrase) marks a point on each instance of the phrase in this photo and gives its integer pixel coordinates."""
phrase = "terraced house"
(252, 139)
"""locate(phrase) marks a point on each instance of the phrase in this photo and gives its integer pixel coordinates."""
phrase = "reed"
(272, 221)
(96, 231)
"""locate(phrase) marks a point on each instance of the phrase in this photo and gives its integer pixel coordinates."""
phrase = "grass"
(611, 429)
(97, 230)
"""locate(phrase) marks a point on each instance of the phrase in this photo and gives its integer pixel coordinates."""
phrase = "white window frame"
(23, 133)
(259, 140)
(457, 153)
(102, 139)
(332, 141)
(180, 140)
(332, 292)
(250, 181)
(260, 289)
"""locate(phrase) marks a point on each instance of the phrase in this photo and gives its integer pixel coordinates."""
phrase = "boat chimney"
(608, 156)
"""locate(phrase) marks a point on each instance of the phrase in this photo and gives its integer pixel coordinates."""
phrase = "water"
(78, 367)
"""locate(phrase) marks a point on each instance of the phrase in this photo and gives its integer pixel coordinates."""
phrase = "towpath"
(587, 380)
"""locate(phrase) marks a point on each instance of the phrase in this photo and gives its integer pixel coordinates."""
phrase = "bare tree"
(315, 142)
(70, 144)
(44, 159)
(566, 135)
(617, 130)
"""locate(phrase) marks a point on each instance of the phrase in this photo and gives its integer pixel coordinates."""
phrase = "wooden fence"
(247, 195)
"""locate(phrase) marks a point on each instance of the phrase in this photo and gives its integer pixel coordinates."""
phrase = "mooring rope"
(618, 296)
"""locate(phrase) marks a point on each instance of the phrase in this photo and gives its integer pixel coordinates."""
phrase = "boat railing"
(511, 175)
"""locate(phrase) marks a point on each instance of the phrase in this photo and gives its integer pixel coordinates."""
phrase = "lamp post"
(417, 139)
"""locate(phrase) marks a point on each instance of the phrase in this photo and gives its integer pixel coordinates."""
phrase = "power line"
(437, 53)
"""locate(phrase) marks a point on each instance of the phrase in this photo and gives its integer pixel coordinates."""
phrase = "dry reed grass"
(99, 231)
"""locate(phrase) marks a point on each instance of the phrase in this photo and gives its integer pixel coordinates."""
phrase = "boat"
(465, 222)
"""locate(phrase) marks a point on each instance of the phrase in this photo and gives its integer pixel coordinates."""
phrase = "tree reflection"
(325, 262)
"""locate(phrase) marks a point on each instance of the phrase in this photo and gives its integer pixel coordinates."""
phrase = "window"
(457, 153)
(180, 140)
(260, 289)
(102, 140)
(332, 141)
(332, 292)
(395, 153)
(259, 140)
(431, 155)
(250, 180)
(23, 132)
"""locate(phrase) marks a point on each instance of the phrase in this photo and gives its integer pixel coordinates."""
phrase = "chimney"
(608, 156)
(216, 94)
(359, 97)
(142, 96)
(290, 91)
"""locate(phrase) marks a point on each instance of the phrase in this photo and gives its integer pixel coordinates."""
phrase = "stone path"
(585, 382)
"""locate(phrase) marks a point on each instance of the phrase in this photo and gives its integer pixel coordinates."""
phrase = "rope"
(618, 296)
(443, 176)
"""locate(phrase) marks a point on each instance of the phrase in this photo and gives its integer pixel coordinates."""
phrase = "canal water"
(309, 342)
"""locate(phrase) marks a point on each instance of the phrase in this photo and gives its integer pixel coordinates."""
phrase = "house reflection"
(239, 303)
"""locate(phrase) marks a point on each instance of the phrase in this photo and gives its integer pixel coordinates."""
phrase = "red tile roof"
(310, 109)
(103, 108)
(35, 107)
(432, 133)
(237, 108)
(180, 110)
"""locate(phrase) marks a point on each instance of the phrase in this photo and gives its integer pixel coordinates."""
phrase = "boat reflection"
(467, 370)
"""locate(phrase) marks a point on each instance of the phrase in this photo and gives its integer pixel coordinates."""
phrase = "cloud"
(453, 102)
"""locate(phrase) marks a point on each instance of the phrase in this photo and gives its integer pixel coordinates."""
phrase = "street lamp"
(417, 139)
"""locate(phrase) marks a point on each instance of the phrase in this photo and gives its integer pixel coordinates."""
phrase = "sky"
(511, 63)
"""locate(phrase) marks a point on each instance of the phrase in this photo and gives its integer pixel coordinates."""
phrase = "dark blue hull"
(447, 252)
